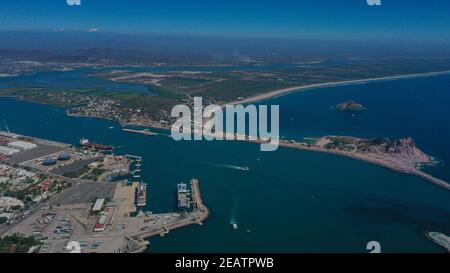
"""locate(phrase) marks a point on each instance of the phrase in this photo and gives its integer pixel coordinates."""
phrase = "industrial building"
(8, 151)
(49, 162)
(106, 218)
(64, 157)
(22, 145)
(101, 223)
(98, 205)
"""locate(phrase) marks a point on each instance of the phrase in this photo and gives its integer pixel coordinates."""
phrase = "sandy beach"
(285, 91)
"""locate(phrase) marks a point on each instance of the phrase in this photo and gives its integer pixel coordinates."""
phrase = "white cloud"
(93, 30)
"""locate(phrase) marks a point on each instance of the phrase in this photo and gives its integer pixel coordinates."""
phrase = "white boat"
(234, 224)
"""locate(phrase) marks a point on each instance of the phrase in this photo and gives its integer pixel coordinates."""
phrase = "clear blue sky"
(325, 19)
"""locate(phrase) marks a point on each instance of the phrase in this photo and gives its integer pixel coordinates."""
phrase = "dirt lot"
(85, 193)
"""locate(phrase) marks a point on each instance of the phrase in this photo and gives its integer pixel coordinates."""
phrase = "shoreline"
(416, 172)
(427, 177)
(290, 90)
(294, 89)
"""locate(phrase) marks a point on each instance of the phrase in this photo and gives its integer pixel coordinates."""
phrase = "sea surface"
(289, 200)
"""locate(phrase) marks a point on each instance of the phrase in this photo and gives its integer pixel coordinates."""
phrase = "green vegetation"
(22, 243)
(218, 85)
(58, 186)
(18, 194)
(336, 142)
(340, 143)
(3, 220)
(378, 141)
(95, 174)
(3, 187)
(17, 208)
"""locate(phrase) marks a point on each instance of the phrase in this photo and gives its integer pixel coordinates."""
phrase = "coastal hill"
(400, 155)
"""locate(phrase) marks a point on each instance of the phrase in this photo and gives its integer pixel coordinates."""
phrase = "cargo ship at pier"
(141, 195)
(85, 143)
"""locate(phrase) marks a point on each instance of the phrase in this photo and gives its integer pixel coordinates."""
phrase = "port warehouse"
(8, 151)
(22, 150)
(19, 149)
(22, 145)
(106, 218)
(98, 205)
(14, 147)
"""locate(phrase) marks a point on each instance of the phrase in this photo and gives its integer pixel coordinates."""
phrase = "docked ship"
(92, 145)
(118, 176)
(141, 196)
(183, 197)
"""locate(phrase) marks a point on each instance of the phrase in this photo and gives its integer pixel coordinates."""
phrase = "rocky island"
(350, 106)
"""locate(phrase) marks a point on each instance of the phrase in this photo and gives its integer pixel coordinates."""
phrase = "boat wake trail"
(226, 166)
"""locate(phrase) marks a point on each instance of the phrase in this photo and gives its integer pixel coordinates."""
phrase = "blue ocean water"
(416, 107)
(289, 200)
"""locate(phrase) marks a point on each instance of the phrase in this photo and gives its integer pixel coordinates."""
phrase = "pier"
(145, 132)
(164, 232)
(134, 157)
(199, 213)
(198, 201)
(440, 239)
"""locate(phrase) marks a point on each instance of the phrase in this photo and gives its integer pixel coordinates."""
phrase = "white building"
(8, 151)
(4, 179)
(98, 205)
(6, 203)
(6, 215)
(22, 145)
